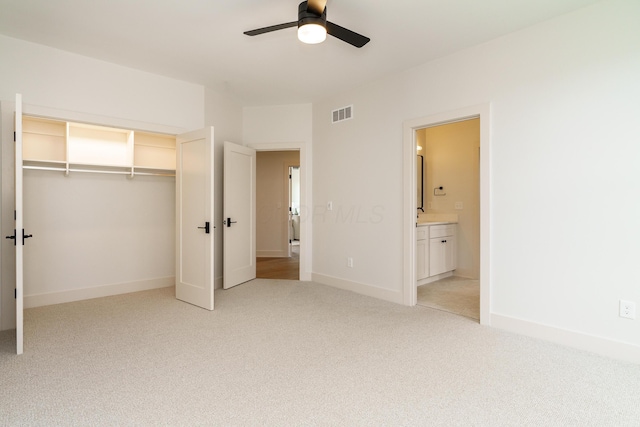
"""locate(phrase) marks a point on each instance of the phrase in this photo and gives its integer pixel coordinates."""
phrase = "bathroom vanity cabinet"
(435, 251)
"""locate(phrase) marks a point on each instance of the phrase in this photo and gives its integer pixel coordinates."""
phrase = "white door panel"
(18, 234)
(239, 215)
(194, 218)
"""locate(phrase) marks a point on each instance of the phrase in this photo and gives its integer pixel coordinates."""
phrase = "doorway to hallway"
(278, 215)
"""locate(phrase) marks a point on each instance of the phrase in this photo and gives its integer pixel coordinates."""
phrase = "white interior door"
(18, 235)
(194, 218)
(239, 224)
(290, 233)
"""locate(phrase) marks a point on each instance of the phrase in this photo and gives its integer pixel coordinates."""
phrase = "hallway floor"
(457, 295)
(280, 268)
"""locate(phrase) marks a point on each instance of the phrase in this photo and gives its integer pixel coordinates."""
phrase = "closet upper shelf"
(67, 146)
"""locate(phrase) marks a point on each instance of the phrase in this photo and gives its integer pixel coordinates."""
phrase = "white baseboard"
(272, 254)
(359, 288)
(435, 278)
(217, 283)
(604, 346)
(39, 300)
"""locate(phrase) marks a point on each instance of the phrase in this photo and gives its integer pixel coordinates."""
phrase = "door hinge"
(15, 293)
(14, 136)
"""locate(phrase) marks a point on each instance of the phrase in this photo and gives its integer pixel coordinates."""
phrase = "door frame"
(289, 193)
(306, 206)
(483, 112)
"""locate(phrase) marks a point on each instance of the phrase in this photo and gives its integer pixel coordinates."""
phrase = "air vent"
(342, 114)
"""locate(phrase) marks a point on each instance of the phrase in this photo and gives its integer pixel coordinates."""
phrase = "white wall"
(278, 123)
(565, 99)
(279, 128)
(75, 87)
(92, 230)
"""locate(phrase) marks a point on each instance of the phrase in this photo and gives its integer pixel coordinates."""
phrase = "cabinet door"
(451, 253)
(437, 255)
(422, 259)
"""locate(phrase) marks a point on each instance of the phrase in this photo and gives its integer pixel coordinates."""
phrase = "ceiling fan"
(313, 26)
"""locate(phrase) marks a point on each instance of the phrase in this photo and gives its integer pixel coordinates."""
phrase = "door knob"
(12, 237)
(206, 227)
(228, 222)
(24, 236)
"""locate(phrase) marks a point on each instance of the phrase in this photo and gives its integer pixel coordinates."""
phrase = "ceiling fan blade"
(355, 39)
(271, 28)
(316, 6)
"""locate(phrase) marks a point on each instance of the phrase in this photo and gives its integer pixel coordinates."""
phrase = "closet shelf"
(50, 166)
(78, 147)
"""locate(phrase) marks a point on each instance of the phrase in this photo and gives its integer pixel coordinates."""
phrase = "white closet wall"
(99, 228)
(96, 234)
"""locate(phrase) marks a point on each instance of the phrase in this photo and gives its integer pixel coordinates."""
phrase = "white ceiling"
(202, 41)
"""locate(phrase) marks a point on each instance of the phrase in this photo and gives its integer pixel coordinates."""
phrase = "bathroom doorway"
(450, 187)
(410, 128)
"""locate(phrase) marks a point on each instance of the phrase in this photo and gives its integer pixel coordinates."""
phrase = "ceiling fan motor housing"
(307, 17)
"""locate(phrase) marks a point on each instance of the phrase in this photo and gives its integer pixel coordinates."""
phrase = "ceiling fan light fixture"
(312, 33)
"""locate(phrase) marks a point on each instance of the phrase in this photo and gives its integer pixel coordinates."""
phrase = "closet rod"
(154, 174)
(45, 168)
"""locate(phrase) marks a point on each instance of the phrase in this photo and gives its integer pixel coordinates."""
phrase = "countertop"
(423, 223)
(437, 219)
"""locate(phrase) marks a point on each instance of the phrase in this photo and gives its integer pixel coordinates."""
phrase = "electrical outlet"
(329, 206)
(627, 309)
(350, 262)
(458, 206)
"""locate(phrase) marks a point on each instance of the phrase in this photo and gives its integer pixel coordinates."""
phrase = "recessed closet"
(100, 204)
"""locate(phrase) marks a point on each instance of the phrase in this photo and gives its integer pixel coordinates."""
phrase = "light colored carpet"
(291, 353)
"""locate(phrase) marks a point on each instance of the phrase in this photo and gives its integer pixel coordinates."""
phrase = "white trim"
(592, 343)
(272, 254)
(435, 278)
(38, 300)
(305, 199)
(482, 111)
(94, 119)
(359, 288)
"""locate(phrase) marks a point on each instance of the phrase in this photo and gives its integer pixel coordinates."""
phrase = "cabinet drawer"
(442, 230)
(421, 233)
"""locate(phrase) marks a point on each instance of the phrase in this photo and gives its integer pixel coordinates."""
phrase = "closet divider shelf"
(44, 140)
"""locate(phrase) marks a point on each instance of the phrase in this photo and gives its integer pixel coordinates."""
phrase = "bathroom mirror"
(420, 182)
